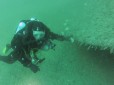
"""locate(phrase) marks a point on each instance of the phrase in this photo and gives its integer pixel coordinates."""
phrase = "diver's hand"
(70, 38)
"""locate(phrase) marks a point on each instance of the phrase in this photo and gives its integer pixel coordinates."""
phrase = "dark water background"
(69, 64)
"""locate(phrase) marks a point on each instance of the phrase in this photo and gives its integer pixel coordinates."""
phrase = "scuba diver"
(30, 37)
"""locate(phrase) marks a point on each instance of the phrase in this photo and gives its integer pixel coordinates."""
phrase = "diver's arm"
(52, 35)
(55, 36)
(16, 42)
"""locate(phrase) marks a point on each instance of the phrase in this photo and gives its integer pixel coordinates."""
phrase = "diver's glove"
(69, 38)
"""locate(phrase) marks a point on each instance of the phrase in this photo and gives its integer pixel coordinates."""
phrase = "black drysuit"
(23, 42)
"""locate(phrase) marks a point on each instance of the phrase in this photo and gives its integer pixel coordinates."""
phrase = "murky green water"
(69, 64)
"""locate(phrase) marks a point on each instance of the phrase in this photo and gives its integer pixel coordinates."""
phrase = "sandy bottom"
(69, 64)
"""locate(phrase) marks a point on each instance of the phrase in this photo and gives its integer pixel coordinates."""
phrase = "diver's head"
(38, 34)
